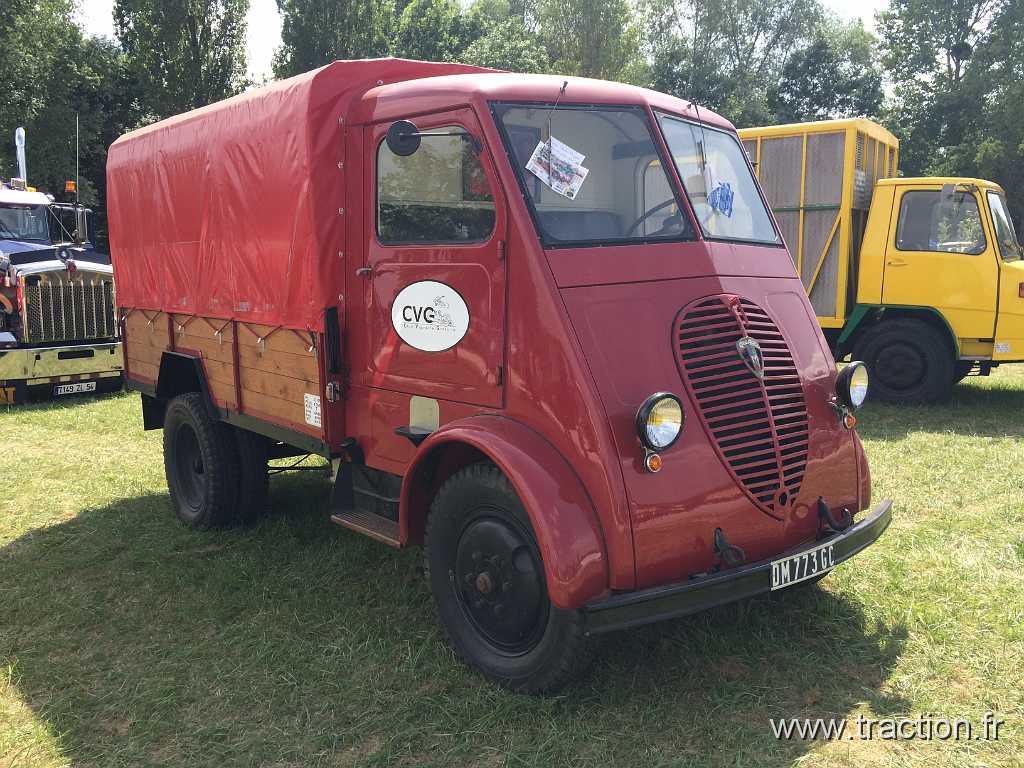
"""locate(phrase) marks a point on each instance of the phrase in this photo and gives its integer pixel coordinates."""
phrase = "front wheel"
(487, 579)
(909, 361)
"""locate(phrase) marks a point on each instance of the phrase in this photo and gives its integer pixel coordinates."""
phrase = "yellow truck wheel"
(909, 361)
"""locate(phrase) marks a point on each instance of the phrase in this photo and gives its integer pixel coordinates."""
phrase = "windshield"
(1009, 246)
(23, 222)
(722, 191)
(591, 174)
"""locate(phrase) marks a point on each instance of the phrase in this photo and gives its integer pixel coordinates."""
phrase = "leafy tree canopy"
(185, 53)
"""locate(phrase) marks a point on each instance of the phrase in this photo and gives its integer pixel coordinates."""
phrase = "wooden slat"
(275, 385)
(144, 353)
(218, 371)
(283, 410)
(279, 340)
(296, 366)
(207, 346)
(225, 392)
(138, 331)
(142, 369)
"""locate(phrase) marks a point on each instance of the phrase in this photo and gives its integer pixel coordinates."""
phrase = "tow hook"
(731, 554)
(830, 521)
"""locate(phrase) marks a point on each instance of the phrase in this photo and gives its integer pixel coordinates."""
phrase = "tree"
(185, 53)
(510, 46)
(56, 74)
(431, 30)
(725, 54)
(316, 32)
(591, 38)
(928, 49)
(837, 75)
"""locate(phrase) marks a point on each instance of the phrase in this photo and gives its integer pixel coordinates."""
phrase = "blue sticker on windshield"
(720, 199)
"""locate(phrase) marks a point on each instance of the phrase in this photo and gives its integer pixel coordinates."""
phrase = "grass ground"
(126, 639)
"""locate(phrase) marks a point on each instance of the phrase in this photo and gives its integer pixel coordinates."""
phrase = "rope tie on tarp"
(182, 326)
(262, 340)
(150, 321)
(218, 333)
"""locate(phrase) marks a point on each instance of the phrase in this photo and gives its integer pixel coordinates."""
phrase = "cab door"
(1009, 343)
(435, 263)
(939, 256)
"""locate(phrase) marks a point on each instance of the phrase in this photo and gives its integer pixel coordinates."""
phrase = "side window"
(438, 194)
(929, 223)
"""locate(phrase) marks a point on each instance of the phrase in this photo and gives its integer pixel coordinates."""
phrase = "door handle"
(896, 263)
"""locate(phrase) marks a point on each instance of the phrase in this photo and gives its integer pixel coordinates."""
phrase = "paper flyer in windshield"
(559, 166)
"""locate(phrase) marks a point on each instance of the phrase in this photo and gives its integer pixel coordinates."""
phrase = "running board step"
(376, 527)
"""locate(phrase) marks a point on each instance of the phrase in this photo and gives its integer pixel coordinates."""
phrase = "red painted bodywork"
(563, 346)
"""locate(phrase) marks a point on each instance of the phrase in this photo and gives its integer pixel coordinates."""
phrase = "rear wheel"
(201, 463)
(487, 579)
(909, 361)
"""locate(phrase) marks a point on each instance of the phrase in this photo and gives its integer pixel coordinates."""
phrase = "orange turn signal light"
(70, 186)
(652, 462)
(849, 421)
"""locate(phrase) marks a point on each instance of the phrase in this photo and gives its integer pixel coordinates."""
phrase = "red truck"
(544, 326)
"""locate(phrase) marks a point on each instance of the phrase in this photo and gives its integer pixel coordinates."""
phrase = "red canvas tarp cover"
(232, 210)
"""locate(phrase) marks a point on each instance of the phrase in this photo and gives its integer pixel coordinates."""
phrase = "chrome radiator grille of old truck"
(757, 423)
(59, 309)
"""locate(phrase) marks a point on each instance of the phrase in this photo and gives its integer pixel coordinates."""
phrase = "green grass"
(126, 639)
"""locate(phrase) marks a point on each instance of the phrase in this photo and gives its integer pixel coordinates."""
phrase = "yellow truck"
(921, 278)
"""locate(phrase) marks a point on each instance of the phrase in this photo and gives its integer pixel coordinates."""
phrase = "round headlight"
(659, 421)
(852, 385)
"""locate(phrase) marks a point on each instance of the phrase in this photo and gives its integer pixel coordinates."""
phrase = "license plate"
(806, 565)
(75, 388)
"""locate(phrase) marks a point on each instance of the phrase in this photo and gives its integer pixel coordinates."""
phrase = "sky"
(264, 25)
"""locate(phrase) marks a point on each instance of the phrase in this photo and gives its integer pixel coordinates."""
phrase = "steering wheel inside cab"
(672, 225)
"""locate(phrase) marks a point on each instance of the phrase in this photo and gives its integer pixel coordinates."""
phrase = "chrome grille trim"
(59, 309)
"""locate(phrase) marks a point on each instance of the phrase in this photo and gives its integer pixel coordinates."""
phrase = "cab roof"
(393, 100)
(937, 180)
(22, 197)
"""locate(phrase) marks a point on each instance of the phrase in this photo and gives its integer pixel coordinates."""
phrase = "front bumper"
(674, 600)
(38, 370)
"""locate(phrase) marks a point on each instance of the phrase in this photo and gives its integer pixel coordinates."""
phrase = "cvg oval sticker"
(430, 316)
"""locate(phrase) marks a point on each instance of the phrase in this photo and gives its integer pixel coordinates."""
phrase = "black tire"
(909, 361)
(961, 370)
(253, 482)
(487, 579)
(201, 464)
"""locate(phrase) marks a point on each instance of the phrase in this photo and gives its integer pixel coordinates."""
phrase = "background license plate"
(78, 386)
(806, 565)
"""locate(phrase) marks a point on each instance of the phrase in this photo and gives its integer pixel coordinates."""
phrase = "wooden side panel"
(276, 367)
(212, 340)
(146, 338)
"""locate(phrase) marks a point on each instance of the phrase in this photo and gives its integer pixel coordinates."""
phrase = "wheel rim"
(499, 583)
(900, 366)
(189, 468)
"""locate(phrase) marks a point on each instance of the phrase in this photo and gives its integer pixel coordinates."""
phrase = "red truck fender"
(568, 533)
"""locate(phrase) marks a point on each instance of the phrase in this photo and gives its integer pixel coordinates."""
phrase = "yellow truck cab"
(921, 278)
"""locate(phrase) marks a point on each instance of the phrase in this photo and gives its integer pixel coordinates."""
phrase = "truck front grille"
(75, 310)
(758, 426)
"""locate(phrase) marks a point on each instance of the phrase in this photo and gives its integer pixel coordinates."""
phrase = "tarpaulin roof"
(232, 210)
